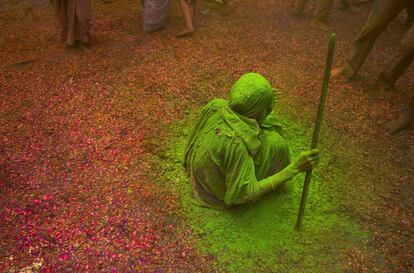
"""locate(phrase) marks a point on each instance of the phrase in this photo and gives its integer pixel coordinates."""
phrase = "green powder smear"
(260, 237)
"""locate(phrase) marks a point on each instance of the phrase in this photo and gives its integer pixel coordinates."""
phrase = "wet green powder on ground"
(260, 237)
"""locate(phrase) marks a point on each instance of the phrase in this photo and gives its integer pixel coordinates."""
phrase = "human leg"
(83, 22)
(63, 10)
(187, 13)
(322, 9)
(382, 13)
(410, 15)
(400, 62)
(321, 13)
(402, 122)
(154, 14)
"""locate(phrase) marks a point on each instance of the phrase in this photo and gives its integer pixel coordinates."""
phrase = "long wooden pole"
(318, 122)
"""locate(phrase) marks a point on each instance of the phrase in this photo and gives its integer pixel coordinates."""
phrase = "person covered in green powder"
(235, 152)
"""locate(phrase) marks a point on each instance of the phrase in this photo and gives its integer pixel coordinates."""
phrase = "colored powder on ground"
(260, 237)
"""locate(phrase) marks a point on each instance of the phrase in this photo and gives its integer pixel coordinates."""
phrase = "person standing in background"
(382, 13)
(320, 13)
(75, 22)
(188, 8)
(154, 14)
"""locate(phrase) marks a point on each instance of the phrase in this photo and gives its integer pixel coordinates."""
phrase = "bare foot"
(69, 51)
(320, 25)
(342, 71)
(385, 88)
(84, 48)
(399, 124)
(185, 33)
(336, 72)
(384, 92)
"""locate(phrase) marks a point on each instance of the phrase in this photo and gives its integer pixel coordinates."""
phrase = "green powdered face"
(260, 237)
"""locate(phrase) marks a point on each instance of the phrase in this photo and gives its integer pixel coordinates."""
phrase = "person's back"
(234, 153)
(211, 156)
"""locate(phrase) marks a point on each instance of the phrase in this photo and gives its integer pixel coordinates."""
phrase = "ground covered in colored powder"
(260, 236)
(91, 145)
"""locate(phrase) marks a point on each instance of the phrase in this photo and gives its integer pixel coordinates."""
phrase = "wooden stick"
(318, 122)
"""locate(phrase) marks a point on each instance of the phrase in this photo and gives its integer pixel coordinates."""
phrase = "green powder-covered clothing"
(228, 154)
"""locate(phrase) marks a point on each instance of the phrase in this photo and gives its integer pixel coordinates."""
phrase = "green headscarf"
(252, 97)
(251, 100)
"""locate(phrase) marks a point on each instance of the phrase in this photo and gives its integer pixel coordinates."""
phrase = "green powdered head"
(252, 96)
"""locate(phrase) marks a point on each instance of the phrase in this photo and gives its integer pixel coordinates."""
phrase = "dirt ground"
(80, 189)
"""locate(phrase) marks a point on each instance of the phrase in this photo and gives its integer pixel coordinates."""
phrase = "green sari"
(235, 144)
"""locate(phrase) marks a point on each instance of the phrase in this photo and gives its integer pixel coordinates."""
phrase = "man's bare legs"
(402, 122)
(382, 13)
(320, 13)
(188, 13)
